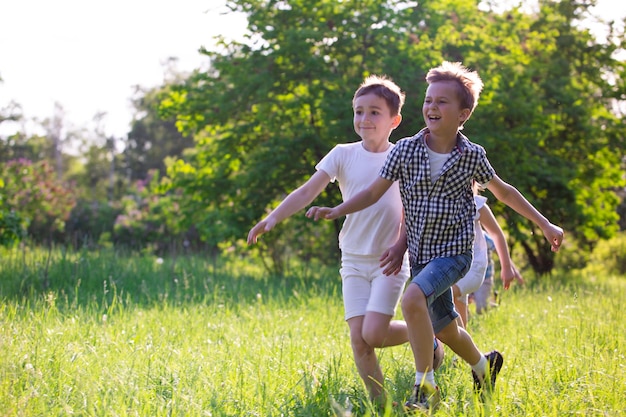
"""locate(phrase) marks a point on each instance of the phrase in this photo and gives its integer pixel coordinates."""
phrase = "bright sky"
(87, 56)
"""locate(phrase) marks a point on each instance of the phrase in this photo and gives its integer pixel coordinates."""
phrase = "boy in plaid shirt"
(435, 170)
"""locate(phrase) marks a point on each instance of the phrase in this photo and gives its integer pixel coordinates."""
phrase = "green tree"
(152, 138)
(546, 120)
(268, 110)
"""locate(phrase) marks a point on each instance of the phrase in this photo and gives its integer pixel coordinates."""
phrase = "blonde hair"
(469, 83)
(385, 88)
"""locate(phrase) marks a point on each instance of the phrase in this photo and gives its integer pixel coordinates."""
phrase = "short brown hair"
(385, 88)
(470, 84)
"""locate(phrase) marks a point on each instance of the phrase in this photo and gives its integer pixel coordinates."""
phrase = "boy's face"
(442, 108)
(372, 118)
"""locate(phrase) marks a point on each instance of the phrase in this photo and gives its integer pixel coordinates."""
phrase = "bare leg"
(415, 310)
(461, 343)
(380, 331)
(460, 306)
(365, 359)
(374, 330)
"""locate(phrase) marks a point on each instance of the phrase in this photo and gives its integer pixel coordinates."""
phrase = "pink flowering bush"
(33, 193)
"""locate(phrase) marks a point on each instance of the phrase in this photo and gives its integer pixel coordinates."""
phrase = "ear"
(464, 115)
(396, 121)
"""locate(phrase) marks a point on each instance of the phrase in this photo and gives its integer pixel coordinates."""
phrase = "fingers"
(311, 212)
(260, 228)
(317, 213)
(507, 278)
(252, 235)
(391, 263)
(390, 267)
(555, 237)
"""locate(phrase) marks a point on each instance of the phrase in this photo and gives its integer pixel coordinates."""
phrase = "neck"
(440, 144)
(376, 147)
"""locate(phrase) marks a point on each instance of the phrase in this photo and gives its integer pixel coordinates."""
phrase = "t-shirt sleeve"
(329, 164)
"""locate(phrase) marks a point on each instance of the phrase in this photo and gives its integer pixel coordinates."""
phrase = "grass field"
(104, 334)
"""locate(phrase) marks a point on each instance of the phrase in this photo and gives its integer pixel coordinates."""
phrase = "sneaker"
(495, 360)
(425, 397)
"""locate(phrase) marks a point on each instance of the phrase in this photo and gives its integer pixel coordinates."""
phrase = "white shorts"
(473, 279)
(365, 287)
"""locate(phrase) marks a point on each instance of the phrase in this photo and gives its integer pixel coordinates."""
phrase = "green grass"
(106, 334)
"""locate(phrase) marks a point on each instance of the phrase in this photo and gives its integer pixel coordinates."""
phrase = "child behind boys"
(486, 297)
(474, 278)
(482, 296)
(374, 267)
(436, 169)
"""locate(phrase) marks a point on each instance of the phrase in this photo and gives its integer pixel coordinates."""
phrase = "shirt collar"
(462, 142)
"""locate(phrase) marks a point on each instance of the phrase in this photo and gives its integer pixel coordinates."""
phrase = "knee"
(360, 346)
(374, 338)
(414, 301)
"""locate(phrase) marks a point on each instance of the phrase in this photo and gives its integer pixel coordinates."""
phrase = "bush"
(11, 230)
(91, 223)
(39, 199)
(609, 256)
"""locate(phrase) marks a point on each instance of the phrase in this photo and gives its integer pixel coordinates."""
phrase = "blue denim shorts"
(435, 279)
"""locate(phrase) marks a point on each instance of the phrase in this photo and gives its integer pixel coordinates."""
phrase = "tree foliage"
(269, 108)
(151, 138)
(549, 127)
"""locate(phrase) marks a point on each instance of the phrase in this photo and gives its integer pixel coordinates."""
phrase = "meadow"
(112, 334)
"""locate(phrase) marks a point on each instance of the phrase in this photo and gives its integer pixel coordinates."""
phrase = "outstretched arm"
(510, 196)
(294, 202)
(508, 272)
(361, 200)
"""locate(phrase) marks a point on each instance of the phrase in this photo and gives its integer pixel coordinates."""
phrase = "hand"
(510, 274)
(317, 213)
(261, 227)
(391, 260)
(507, 274)
(554, 234)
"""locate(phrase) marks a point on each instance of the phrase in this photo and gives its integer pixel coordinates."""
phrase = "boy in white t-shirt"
(374, 263)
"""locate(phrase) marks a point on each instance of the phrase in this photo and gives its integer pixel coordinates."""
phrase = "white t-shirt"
(373, 230)
(436, 163)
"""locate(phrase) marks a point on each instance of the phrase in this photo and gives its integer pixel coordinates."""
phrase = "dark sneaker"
(495, 360)
(438, 354)
(425, 397)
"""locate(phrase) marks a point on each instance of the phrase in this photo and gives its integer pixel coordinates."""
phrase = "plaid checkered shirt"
(439, 216)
